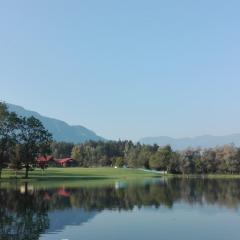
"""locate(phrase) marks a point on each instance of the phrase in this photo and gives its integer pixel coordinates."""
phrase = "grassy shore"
(107, 173)
(220, 176)
(79, 174)
(208, 176)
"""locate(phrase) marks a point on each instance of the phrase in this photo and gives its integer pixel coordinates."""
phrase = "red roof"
(63, 193)
(65, 160)
(47, 196)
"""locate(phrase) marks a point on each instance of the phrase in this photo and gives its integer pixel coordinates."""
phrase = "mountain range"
(205, 141)
(60, 130)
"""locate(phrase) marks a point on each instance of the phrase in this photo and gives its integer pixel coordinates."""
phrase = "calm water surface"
(150, 209)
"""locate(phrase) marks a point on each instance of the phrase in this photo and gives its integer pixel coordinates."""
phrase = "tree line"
(223, 159)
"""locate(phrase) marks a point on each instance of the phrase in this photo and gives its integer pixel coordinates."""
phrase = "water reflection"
(27, 212)
(22, 215)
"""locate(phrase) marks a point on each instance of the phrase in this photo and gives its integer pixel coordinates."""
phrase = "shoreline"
(99, 174)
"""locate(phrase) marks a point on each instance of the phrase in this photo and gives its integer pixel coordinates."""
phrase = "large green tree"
(160, 160)
(34, 140)
(9, 123)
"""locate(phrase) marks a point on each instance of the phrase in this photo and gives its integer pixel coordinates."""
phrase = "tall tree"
(16, 158)
(61, 149)
(160, 160)
(35, 140)
(8, 125)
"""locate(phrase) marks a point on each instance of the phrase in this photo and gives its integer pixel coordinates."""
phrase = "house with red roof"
(63, 193)
(66, 162)
(49, 161)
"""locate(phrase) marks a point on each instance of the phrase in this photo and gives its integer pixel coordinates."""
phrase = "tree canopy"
(21, 140)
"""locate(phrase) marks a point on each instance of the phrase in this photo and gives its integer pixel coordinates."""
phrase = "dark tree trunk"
(26, 171)
(26, 188)
(1, 164)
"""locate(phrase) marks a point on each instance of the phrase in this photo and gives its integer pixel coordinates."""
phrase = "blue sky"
(126, 69)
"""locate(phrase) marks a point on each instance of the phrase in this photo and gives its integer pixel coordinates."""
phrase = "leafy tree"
(35, 140)
(228, 159)
(200, 166)
(8, 125)
(61, 149)
(174, 163)
(16, 158)
(155, 161)
(161, 159)
(187, 161)
(119, 161)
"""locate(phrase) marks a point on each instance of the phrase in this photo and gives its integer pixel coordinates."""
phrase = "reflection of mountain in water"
(58, 219)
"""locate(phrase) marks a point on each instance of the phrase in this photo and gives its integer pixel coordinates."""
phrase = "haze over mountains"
(61, 130)
(78, 134)
(205, 141)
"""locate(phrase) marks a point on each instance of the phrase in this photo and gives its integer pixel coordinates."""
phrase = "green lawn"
(101, 173)
(80, 173)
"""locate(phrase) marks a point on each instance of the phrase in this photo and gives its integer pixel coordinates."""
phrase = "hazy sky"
(125, 69)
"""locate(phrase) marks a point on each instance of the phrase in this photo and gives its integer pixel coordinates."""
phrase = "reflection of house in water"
(119, 185)
(62, 192)
(47, 197)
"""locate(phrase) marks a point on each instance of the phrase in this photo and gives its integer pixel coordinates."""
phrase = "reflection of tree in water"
(191, 191)
(24, 214)
(221, 192)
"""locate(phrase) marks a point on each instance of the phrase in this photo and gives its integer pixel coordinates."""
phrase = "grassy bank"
(208, 176)
(107, 173)
(79, 174)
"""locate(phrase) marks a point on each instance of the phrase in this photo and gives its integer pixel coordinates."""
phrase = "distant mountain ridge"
(205, 141)
(78, 134)
(61, 130)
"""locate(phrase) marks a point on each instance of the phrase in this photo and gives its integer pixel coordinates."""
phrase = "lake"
(160, 208)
